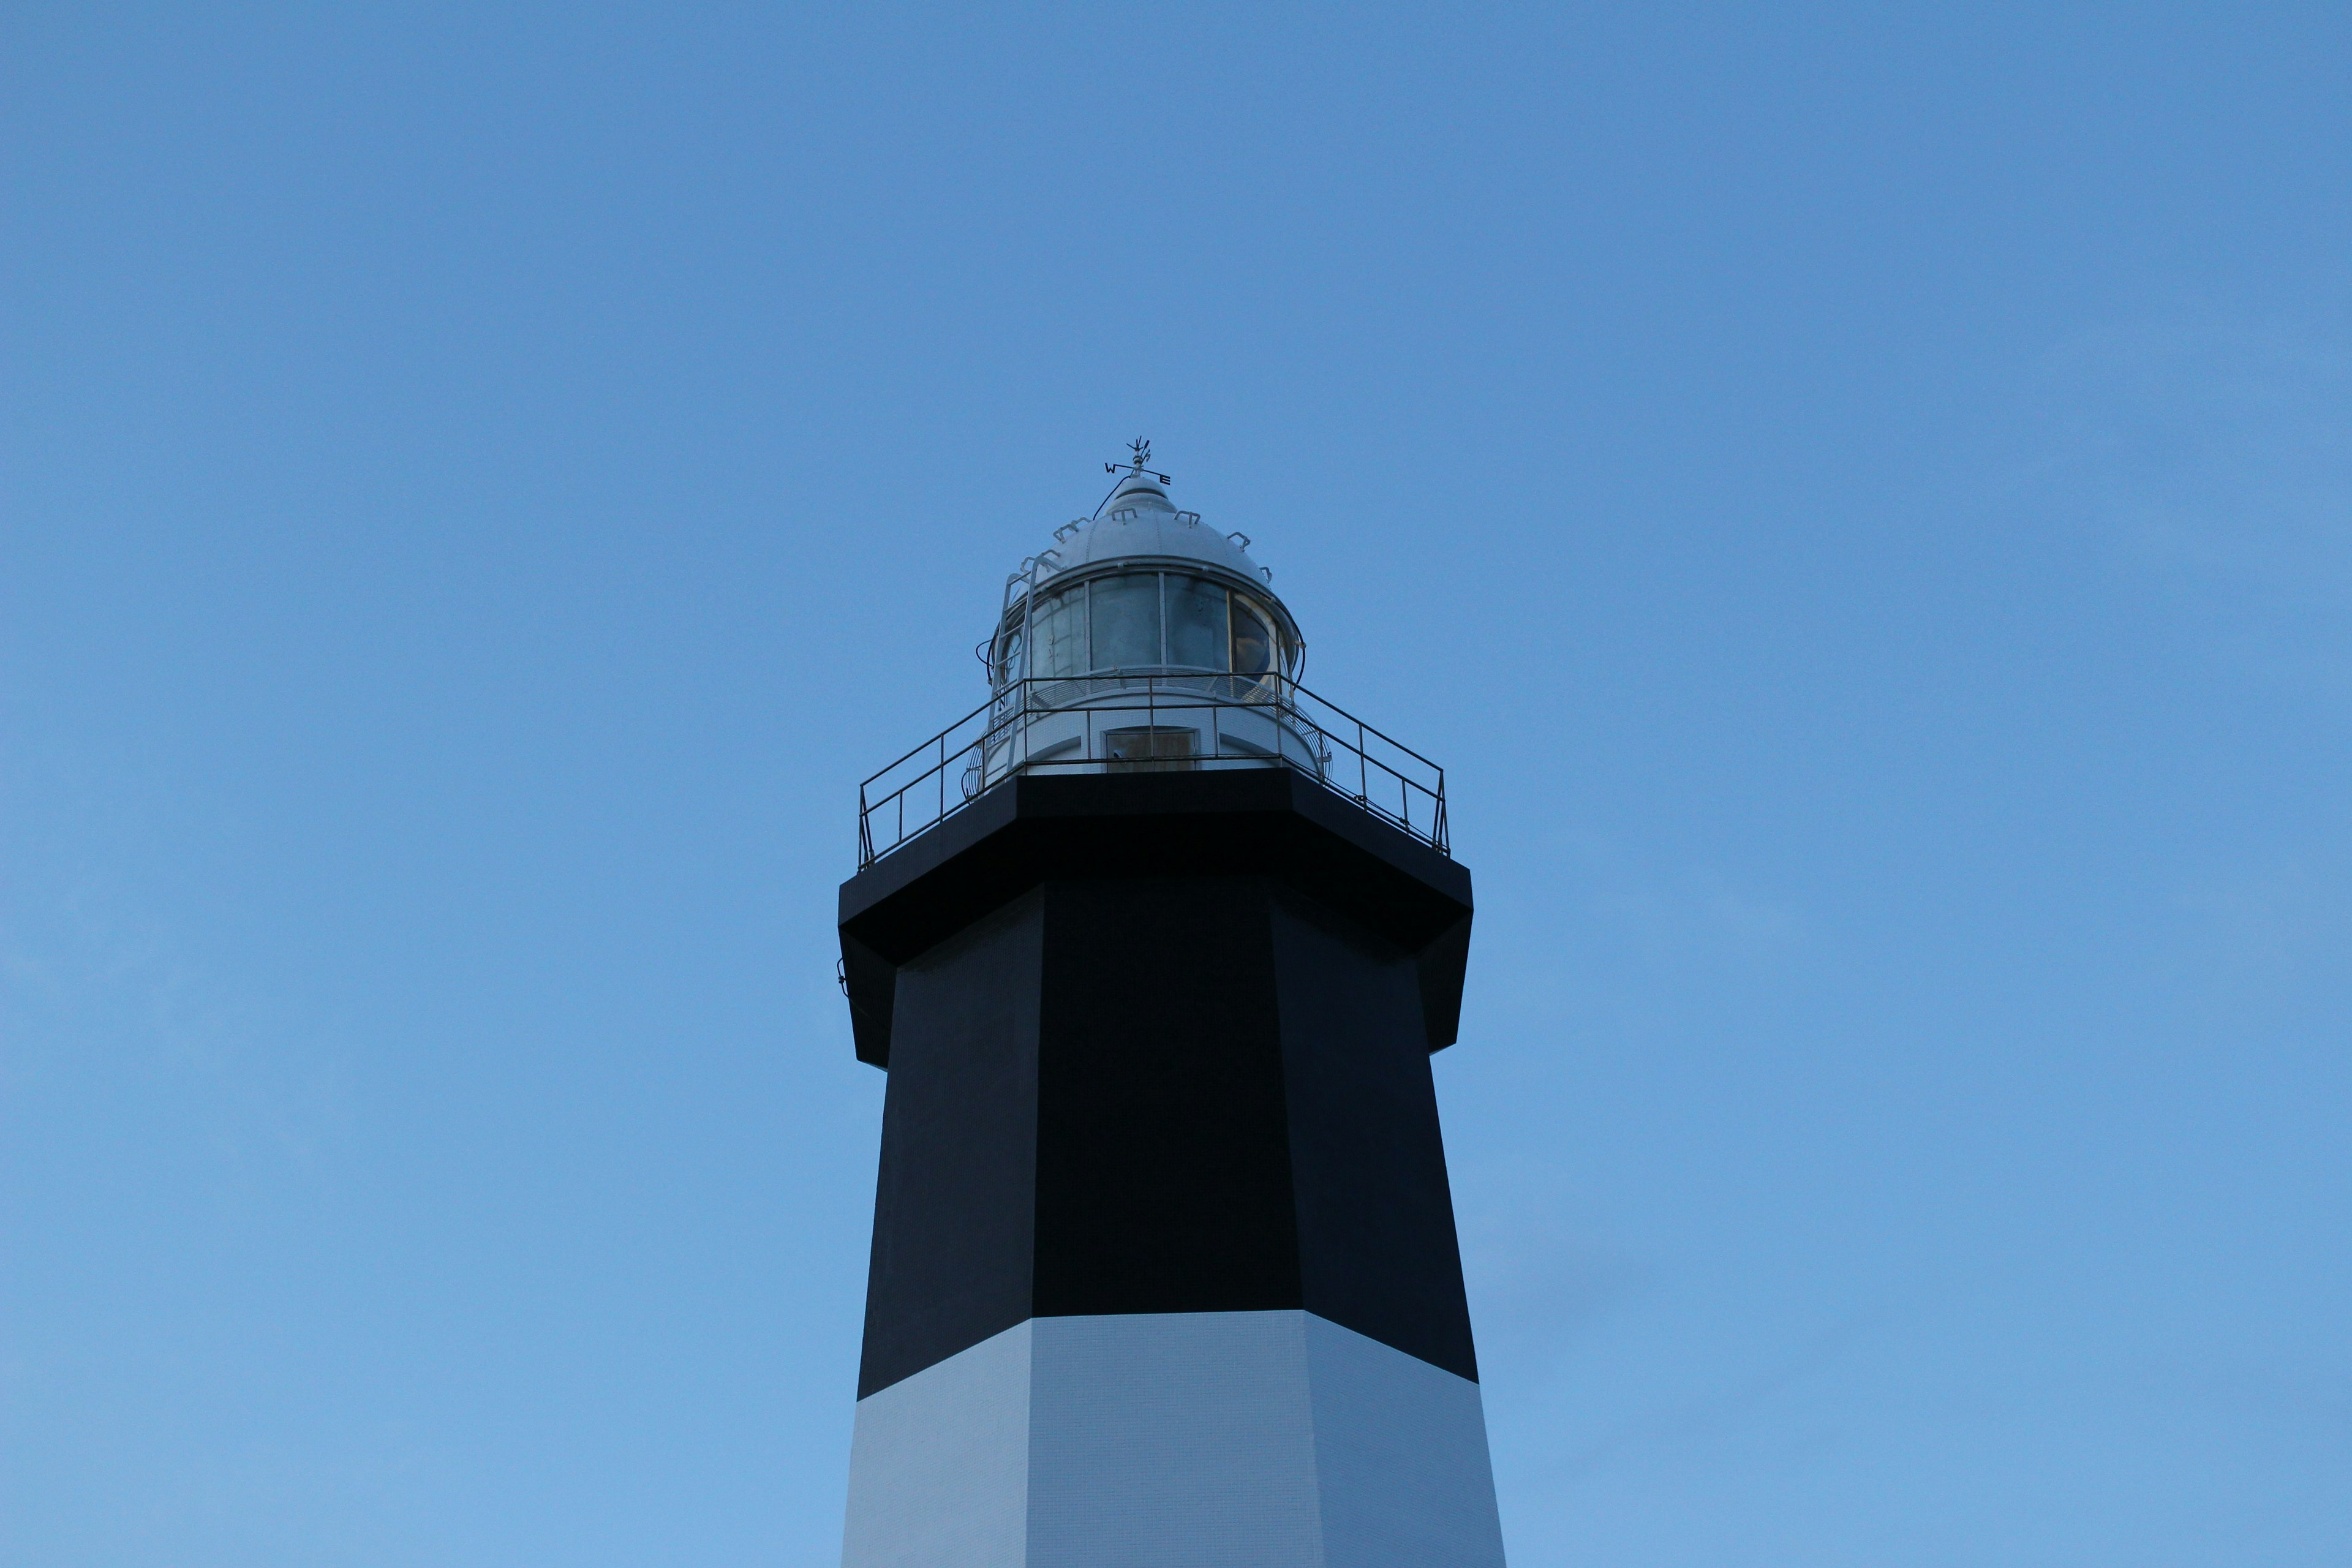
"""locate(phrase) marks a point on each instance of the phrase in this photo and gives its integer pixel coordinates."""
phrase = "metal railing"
(1154, 722)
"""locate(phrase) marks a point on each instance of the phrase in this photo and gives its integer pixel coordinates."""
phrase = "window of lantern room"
(1126, 622)
(1253, 642)
(1196, 623)
(1057, 634)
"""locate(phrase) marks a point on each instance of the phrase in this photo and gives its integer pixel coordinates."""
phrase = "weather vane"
(1140, 450)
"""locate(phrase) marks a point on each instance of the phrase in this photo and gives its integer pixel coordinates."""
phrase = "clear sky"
(1859, 500)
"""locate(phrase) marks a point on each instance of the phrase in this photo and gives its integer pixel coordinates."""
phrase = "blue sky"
(1859, 498)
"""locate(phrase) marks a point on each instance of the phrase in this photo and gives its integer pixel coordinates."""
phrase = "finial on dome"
(1135, 479)
(1139, 461)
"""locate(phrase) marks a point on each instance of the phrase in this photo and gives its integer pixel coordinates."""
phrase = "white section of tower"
(1174, 1440)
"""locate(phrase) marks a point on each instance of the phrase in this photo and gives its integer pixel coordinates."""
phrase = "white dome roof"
(1139, 522)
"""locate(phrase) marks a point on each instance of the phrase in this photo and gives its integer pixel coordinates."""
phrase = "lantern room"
(1142, 639)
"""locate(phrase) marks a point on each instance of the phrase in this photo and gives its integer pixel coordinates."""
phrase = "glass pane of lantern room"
(1253, 643)
(1057, 632)
(1196, 623)
(1126, 622)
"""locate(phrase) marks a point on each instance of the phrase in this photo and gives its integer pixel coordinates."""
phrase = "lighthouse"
(1155, 945)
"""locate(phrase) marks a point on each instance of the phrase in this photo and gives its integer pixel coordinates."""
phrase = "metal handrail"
(998, 746)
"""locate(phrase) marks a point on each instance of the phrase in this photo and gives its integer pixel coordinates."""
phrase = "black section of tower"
(1159, 1043)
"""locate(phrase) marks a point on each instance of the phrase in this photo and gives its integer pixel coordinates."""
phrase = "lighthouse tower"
(1155, 946)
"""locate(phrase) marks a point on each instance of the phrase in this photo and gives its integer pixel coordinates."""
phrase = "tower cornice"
(1271, 822)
